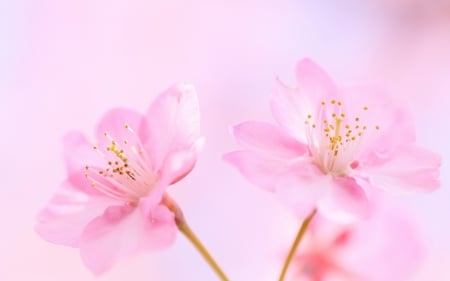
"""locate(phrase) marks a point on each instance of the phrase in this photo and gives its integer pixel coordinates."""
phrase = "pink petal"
(410, 168)
(290, 109)
(259, 170)
(72, 207)
(78, 152)
(395, 122)
(172, 127)
(179, 163)
(123, 231)
(301, 186)
(394, 242)
(153, 199)
(268, 139)
(314, 82)
(291, 106)
(114, 123)
(346, 201)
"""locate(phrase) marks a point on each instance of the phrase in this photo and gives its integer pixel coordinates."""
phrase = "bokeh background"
(63, 63)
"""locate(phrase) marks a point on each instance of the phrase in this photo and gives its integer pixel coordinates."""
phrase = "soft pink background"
(63, 63)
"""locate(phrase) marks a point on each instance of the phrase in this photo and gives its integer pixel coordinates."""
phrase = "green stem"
(184, 228)
(294, 246)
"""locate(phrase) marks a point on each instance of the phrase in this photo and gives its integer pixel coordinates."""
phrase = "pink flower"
(110, 205)
(387, 247)
(332, 146)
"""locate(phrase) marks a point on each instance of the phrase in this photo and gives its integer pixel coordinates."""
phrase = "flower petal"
(291, 106)
(301, 186)
(79, 152)
(72, 207)
(410, 168)
(123, 231)
(119, 125)
(268, 139)
(394, 241)
(314, 82)
(289, 109)
(388, 122)
(172, 126)
(179, 163)
(259, 170)
(153, 199)
(346, 201)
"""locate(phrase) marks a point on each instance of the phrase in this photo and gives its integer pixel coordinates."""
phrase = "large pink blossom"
(333, 145)
(110, 205)
(386, 247)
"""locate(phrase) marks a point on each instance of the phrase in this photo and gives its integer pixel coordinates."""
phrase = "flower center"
(334, 137)
(127, 173)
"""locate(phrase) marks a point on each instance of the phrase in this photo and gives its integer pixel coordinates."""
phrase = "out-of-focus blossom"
(332, 146)
(386, 247)
(110, 205)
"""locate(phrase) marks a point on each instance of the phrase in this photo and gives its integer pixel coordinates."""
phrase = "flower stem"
(184, 228)
(294, 246)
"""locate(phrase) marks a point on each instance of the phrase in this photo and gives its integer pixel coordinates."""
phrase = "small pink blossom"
(332, 146)
(110, 204)
(386, 247)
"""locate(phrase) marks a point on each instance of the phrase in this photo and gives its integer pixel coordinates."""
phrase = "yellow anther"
(338, 127)
(365, 108)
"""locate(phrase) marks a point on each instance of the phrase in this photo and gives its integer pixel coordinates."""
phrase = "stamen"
(128, 174)
(334, 145)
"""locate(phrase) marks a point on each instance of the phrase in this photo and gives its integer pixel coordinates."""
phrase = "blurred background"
(63, 63)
